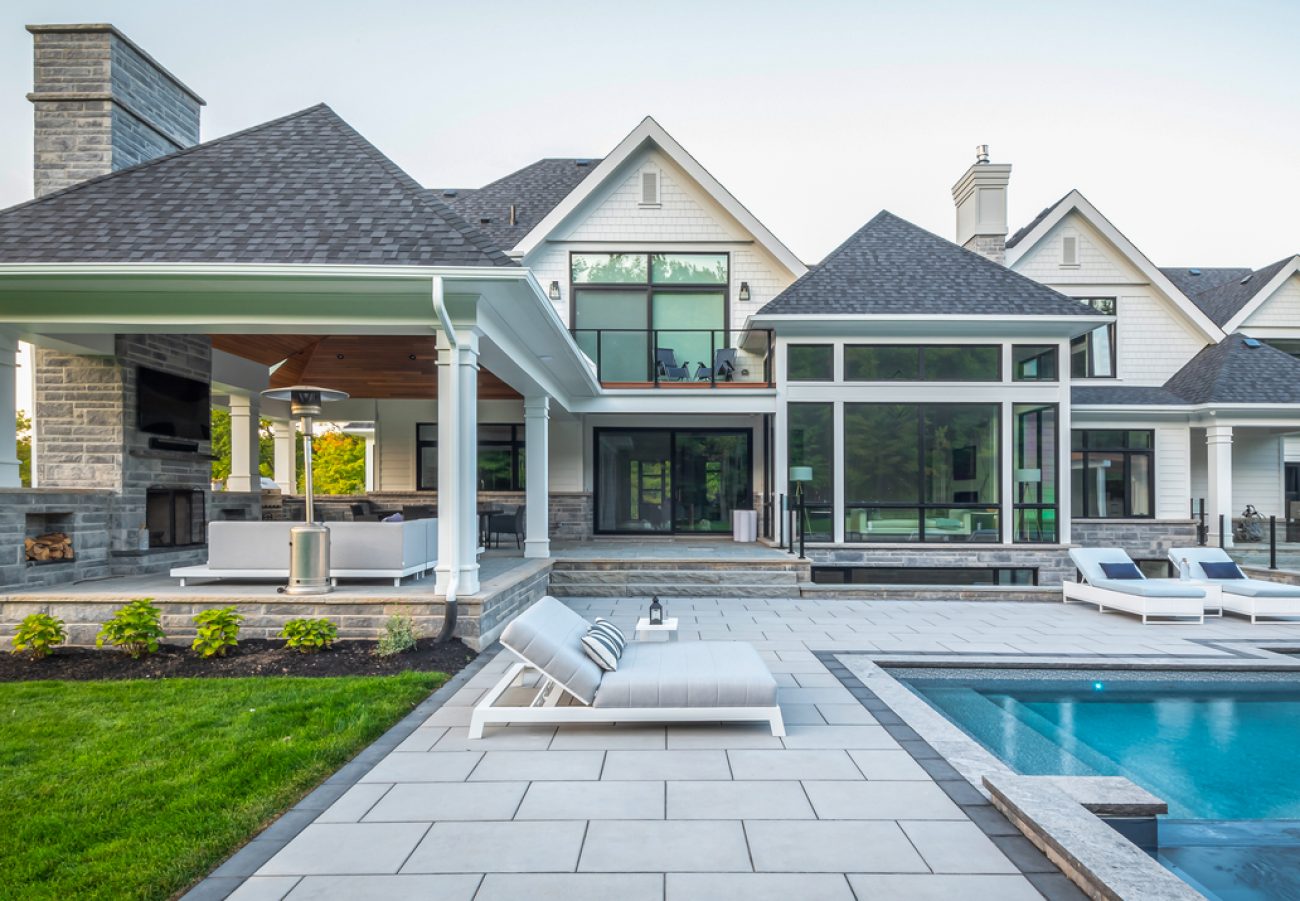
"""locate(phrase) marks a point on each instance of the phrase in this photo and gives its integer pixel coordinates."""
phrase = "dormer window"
(649, 188)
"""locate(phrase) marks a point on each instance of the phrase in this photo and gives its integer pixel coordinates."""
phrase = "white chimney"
(981, 200)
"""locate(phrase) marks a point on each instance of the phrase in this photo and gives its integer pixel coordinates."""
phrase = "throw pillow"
(615, 634)
(1121, 571)
(601, 648)
(1222, 570)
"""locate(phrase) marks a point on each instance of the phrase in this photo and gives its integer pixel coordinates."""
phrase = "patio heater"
(799, 475)
(309, 543)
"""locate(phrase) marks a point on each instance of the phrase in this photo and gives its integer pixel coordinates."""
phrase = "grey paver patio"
(705, 811)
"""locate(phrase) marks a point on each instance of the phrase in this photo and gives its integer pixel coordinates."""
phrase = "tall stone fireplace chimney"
(981, 199)
(102, 104)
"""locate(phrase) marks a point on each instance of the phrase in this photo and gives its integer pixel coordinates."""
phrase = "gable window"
(1112, 473)
(1069, 251)
(501, 457)
(1092, 356)
(924, 363)
(647, 316)
(1033, 363)
(810, 363)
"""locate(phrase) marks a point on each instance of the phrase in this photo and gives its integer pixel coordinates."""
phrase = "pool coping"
(1072, 844)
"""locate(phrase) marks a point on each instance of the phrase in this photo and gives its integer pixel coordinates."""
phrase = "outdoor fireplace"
(175, 517)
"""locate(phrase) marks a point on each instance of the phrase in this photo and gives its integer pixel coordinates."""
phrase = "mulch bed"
(254, 657)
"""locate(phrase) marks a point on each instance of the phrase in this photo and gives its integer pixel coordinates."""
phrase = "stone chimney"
(102, 104)
(981, 199)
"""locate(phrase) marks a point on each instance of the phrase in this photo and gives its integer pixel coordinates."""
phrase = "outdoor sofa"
(1155, 600)
(662, 682)
(1255, 598)
(259, 551)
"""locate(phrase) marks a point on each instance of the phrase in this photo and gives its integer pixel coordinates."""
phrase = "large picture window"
(1112, 473)
(922, 472)
(1035, 467)
(501, 457)
(1092, 356)
(647, 316)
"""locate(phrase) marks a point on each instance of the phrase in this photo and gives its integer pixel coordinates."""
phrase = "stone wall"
(1052, 562)
(27, 512)
(1141, 538)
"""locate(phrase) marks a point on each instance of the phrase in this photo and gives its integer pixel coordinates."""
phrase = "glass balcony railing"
(679, 358)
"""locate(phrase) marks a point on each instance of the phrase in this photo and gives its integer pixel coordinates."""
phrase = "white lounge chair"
(1158, 600)
(664, 682)
(1255, 598)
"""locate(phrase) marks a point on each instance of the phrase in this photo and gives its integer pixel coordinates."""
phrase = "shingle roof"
(890, 266)
(1126, 395)
(1195, 279)
(1033, 223)
(534, 191)
(1225, 299)
(1234, 372)
(306, 188)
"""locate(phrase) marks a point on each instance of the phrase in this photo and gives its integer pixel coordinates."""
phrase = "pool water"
(1222, 750)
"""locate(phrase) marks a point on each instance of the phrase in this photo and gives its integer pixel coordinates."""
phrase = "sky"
(1176, 119)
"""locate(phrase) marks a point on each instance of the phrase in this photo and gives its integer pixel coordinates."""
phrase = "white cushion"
(688, 674)
(549, 636)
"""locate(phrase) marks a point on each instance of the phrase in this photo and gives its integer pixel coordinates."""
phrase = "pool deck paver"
(850, 804)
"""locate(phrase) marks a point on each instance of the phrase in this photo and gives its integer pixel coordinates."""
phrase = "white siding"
(1200, 473)
(1291, 449)
(1173, 472)
(1099, 262)
(395, 441)
(1281, 310)
(1256, 472)
(566, 455)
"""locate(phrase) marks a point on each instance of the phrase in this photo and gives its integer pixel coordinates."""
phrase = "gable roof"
(892, 267)
(1235, 372)
(533, 191)
(1195, 279)
(651, 133)
(1026, 238)
(1223, 301)
(305, 188)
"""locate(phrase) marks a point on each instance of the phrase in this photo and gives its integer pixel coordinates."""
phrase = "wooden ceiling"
(383, 367)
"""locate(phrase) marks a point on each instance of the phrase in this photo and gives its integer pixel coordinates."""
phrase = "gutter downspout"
(453, 579)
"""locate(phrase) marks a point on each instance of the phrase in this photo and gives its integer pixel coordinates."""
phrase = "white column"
(9, 412)
(243, 444)
(370, 462)
(458, 462)
(286, 458)
(1218, 458)
(537, 443)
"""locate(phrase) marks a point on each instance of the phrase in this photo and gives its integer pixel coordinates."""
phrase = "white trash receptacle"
(744, 525)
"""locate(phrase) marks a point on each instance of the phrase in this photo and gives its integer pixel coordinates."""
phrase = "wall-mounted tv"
(173, 405)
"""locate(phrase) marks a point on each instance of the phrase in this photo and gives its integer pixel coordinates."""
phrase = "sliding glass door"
(671, 480)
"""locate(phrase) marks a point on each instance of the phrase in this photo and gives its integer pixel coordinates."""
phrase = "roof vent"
(982, 153)
(449, 193)
(1247, 278)
(582, 162)
(1193, 272)
(485, 221)
(1252, 343)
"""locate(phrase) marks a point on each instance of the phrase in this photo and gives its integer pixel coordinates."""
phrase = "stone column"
(9, 412)
(537, 442)
(1218, 458)
(286, 457)
(458, 461)
(244, 474)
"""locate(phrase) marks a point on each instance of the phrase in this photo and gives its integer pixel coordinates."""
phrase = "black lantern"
(656, 612)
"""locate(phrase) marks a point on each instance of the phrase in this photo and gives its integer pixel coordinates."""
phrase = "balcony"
(679, 358)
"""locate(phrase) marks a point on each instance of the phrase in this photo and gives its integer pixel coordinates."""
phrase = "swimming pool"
(1223, 750)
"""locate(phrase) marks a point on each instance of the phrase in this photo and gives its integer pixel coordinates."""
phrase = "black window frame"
(1086, 340)
(516, 445)
(1017, 451)
(810, 345)
(1043, 350)
(1081, 449)
(921, 354)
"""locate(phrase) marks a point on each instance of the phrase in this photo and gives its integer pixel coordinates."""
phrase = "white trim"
(651, 132)
(1262, 295)
(1076, 202)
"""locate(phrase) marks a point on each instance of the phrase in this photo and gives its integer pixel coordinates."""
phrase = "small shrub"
(308, 636)
(399, 637)
(38, 634)
(135, 628)
(218, 631)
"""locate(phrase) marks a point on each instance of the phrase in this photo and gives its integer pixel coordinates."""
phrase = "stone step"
(695, 577)
(1035, 593)
(672, 590)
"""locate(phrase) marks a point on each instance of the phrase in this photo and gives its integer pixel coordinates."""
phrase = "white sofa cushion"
(688, 674)
(549, 636)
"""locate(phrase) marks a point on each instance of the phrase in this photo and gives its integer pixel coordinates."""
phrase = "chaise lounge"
(662, 682)
(1125, 588)
(1255, 598)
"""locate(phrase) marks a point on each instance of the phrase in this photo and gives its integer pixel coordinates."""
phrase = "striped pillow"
(613, 631)
(604, 644)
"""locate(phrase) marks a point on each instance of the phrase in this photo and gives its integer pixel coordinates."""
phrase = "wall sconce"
(554, 292)
(744, 292)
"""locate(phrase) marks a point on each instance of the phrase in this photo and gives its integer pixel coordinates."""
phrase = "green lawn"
(136, 789)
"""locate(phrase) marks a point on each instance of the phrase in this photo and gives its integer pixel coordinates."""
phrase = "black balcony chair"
(723, 369)
(508, 524)
(667, 367)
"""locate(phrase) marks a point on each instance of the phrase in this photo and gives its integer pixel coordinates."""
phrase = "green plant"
(135, 628)
(308, 636)
(217, 632)
(399, 636)
(38, 634)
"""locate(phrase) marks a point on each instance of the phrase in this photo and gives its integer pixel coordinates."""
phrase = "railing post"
(1202, 530)
(1221, 536)
(654, 355)
(780, 520)
(713, 359)
(1272, 542)
(600, 369)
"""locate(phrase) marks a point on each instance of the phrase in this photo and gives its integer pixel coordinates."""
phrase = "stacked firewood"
(50, 546)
